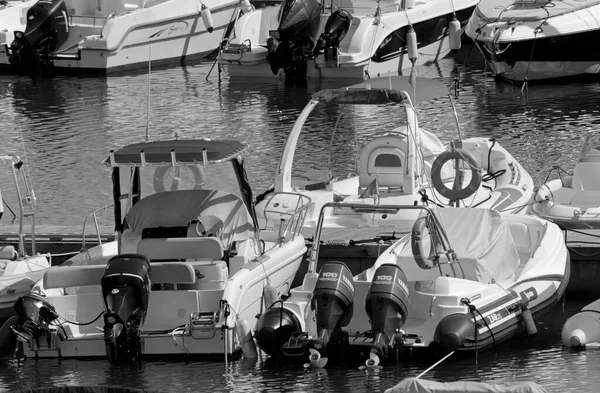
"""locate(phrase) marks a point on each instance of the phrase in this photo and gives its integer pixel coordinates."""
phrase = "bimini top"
(379, 91)
(190, 151)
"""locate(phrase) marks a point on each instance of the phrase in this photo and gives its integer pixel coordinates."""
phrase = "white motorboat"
(20, 267)
(343, 38)
(400, 164)
(573, 200)
(536, 40)
(107, 36)
(190, 268)
(473, 279)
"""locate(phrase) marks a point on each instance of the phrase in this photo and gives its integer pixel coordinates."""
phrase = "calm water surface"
(65, 126)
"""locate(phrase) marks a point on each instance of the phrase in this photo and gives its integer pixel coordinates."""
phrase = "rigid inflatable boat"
(464, 280)
(573, 201)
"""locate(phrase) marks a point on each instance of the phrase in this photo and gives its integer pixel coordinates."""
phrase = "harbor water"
(64, 127)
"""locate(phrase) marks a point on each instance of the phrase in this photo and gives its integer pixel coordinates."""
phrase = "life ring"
(438, 182)
(161, 172)
(416, 242)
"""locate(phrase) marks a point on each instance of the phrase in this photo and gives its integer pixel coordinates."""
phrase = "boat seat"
(587, 174)
(175, 248)
(382, 159)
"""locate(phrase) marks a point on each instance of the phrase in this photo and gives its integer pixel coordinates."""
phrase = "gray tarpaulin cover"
(414, 385)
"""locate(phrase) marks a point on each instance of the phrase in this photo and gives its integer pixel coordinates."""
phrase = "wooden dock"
(357, 247)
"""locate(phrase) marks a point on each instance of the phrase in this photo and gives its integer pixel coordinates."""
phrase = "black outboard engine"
(126, 292)
(46, 30)
(335, 30)
(333, 301)
(35, 314)
(275, 327)
(386, 305)
(292, 42)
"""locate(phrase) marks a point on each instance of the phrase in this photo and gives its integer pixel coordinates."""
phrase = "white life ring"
(161, 172)
(416, 242)
(438, 182)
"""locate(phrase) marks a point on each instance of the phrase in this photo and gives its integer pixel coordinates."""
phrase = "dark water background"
(65, 126)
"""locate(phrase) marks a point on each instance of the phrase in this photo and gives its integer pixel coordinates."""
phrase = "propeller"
(316, 361)
(371, 362)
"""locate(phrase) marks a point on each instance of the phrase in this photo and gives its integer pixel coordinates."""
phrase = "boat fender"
(529, 323)
(454, 34)
(411, 45)
(207, 18)
(543, 194)
(1, 205)
(8, 252)
(269, 295)
(161, 172)
(416, 242)
(438, 182)
(244, 336)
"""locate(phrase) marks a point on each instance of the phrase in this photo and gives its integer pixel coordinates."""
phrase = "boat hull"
(537, 44)
(368, 49)
(139, 39)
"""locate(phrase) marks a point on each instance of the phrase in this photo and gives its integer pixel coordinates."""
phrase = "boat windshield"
(591, 146)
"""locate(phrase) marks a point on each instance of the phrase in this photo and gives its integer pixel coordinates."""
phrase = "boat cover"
(187, 152)
(19, 283)
(482, 235)
(528, 10)
(414, 385)
(179, 208)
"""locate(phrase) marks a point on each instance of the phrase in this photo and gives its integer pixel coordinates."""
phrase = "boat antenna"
(148, 101)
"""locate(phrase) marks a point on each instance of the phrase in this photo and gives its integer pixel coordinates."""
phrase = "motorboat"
(108, 36)
(464, 281)
(21, 266)
(573, 200)
(399, 164)
(13, 17)
(536, 40)
(190, 267)
(362, 39)
(582, 330)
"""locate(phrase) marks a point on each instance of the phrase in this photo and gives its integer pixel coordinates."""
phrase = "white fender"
(244, 335)
(207, 18)
(454, 34)
(411, 44)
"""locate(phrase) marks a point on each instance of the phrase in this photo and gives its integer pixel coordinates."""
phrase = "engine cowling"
(126, 293)
(46, 30)
(387, 302)
(333, 299)
(335, 30)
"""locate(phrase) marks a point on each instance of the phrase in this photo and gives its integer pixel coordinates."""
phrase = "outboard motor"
(46, 30)
(35, 314)
(275, 327)
(126, 292)
(292, 42)
(335, 30)
(386, 305)
(333, 301)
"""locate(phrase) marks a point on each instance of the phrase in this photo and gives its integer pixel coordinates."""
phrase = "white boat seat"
(176, 248)
(382, 159)
(73, 276)
(172, 273)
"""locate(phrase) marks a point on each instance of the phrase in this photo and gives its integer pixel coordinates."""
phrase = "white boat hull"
(539, 42)
(368, 50)
(169, 32)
